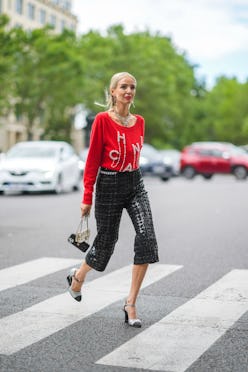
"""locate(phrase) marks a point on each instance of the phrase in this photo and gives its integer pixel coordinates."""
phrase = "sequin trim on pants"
(114, 192)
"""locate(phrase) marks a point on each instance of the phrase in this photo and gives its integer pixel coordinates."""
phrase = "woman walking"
(113, 164)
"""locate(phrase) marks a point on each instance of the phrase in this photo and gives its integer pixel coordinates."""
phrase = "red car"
(209, 158)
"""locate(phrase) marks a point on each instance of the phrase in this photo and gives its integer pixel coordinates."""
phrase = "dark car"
(152, 164)
(209, 158)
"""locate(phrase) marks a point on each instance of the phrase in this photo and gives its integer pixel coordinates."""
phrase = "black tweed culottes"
(115, 191)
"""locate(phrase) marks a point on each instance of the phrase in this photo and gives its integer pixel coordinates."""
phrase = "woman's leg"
(80, 275)
(139, 210)
(145, 246)
(138, 274)
(108, 211)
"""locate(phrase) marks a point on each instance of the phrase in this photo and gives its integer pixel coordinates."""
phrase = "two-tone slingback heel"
(75, 294)
(132, 322)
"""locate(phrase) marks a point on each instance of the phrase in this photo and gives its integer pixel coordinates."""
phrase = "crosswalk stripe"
(56, 313)
(31, 270)
(180, 338)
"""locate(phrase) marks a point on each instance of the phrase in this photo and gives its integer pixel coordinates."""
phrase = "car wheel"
(59, 185)
(240, 172)
(207, 176)
(76, 187)
(78, 183)
(188, 172)
(164, 178)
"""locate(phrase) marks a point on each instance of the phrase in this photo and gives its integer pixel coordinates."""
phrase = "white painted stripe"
(180, 338)
(31, 270)
(41, 320)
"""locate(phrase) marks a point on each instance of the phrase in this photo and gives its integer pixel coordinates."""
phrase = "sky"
(212, 33)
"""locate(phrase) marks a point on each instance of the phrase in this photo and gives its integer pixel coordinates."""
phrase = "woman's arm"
(85, 209)
(93, 161)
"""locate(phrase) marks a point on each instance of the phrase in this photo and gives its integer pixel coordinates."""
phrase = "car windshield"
(150, 152)
(31, 152)
(238, 151)
(170, 153)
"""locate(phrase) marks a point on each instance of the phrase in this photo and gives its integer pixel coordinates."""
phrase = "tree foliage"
(8, 48)
(49, 79)
(43, 76)
(227, 111)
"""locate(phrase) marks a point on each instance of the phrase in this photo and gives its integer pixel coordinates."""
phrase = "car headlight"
(48, 174)
(167, 161)
(44, 173)
(143, 160)
(81, 164)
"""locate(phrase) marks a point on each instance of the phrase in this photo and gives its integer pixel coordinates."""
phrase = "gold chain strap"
(81, 233)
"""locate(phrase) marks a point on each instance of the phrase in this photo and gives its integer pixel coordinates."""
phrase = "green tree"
(227, 111)
(165, 79)
(49, 78)
(8, 48)
(43, 76)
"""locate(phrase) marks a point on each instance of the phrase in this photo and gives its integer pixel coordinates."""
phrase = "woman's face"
(125, 91)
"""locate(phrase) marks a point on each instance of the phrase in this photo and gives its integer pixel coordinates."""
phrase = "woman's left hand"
(85, 209)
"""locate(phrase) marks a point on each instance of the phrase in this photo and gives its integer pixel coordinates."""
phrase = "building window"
(19, 6)
(42, 16)
(63, 25)
(31, 11)
(68, 5)
(53, 20)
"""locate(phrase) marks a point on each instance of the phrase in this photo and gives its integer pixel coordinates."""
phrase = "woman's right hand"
(85, 209)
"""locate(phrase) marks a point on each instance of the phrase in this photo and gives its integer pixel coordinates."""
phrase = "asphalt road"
(194, 309)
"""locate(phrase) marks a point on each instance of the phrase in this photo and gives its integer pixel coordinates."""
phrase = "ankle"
(76, 279)
(131, 302)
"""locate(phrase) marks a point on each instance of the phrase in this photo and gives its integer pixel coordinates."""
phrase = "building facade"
(31, 14)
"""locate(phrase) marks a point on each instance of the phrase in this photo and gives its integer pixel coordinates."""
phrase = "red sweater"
(112, 146)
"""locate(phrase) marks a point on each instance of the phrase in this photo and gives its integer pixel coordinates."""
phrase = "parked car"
(209, 158)
(244, 147)
(82, 159)
(171, 157)
(152, 164)
(2, 155)
(40, 166)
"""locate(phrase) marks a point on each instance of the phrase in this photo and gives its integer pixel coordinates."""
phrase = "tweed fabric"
(114, 192)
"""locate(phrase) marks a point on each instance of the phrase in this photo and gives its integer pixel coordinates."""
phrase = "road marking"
(56, 313)
(31, 270)
(181, 337)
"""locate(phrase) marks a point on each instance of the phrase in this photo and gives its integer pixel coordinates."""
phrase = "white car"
(172, 157)
(40, 166)
(83, 157)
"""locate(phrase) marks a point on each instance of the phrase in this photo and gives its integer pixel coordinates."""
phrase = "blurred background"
(57, 57)
(190, 61)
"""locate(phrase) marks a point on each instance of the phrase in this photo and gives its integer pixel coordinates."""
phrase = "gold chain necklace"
(124, 120)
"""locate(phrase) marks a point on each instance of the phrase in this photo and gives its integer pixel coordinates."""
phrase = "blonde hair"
(113, 84)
